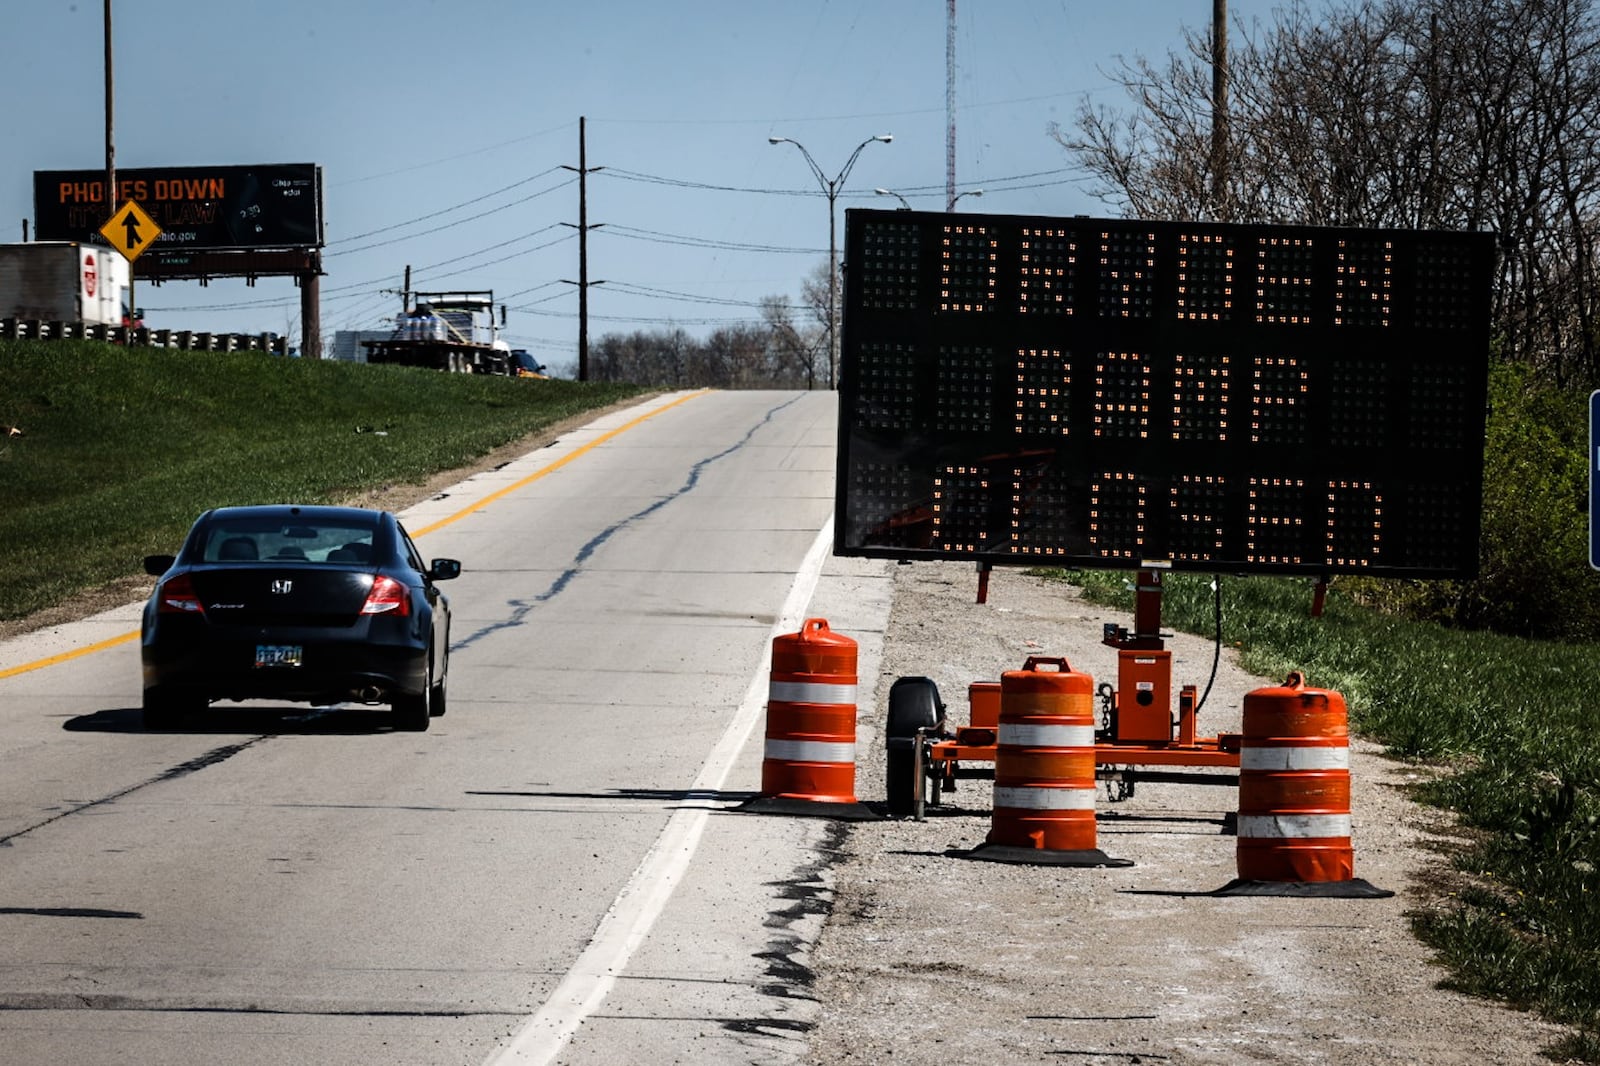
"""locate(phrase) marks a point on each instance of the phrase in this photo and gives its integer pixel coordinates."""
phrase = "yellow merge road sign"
(130, 230)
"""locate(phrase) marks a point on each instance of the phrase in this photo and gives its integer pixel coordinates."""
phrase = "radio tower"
(950, 106)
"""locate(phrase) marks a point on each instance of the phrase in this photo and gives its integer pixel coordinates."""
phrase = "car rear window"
(239, 540)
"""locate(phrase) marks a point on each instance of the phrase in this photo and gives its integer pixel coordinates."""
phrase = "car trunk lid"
(282, 595)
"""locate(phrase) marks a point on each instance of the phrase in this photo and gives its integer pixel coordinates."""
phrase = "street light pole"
(904, 204)
(830, 189)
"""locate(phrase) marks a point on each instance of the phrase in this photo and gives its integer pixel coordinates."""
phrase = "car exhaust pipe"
(370, 694)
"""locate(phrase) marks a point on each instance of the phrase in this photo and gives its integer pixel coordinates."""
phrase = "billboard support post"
(310, 320)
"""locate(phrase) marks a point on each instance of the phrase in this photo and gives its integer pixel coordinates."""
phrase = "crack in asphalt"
(56, 1001)
(70, 912)
(521, 608)
(183, 769)
(788, 974)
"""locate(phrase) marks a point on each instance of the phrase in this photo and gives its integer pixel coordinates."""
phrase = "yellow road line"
(78, 653)
(552, 467)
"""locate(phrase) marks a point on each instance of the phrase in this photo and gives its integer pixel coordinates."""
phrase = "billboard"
(1125, 394)
(275, 205)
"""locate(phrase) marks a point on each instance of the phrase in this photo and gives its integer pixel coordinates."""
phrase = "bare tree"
(796, 354)
(1460, 114)
(736, 357)
(291, 332)
(814, 295)
(777, 352)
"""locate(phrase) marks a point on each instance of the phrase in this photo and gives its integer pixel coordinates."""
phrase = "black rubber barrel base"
(803, 808)
(1089, 857)
(1355, 888)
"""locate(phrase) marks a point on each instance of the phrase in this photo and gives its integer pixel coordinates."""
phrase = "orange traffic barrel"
(1044, 782)
(810, 758)
(1294, 795)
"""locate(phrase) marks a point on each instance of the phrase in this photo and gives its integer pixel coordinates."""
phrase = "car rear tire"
(413, 713)
(440, 700)
(165, 709)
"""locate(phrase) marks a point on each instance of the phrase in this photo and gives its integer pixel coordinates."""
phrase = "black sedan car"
(316, 605)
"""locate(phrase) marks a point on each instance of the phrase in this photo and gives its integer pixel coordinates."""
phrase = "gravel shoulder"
(933, 958)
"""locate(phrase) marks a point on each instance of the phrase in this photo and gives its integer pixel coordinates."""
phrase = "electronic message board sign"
(274, 205)
(1194, 396)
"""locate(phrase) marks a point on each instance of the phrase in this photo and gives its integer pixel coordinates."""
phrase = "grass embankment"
(120, 449)
(1514, 721)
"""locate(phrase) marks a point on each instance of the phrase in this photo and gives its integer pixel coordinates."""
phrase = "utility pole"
(584, 170)
(583, 249)
(950, 106)
(1219, 109)
(111, 150)
(111, 155)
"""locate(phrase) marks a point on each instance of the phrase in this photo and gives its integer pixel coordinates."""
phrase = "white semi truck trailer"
(65, 282)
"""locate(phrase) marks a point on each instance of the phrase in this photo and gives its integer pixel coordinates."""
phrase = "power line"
(497, 247)
(447, 210)
(529, 307)
(650, 319)
(657, 237)
(344, 292)
(457, 222)
(685, 183)
(533, 288)
(247, 305)
(362, 294)
(459, 155)
(668, 294)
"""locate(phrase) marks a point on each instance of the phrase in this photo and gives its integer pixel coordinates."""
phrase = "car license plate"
(277, 655)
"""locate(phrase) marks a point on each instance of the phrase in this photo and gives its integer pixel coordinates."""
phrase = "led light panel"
(1277, 399)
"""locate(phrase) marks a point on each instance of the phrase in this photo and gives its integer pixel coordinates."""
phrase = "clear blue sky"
(464, 111)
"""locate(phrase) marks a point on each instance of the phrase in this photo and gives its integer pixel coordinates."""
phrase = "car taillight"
(178, 597)
(387, 596)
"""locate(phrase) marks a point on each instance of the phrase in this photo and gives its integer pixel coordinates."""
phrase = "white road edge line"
(632, 914)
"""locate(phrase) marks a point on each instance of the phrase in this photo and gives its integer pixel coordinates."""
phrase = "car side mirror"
(444, 569)
(156, 565)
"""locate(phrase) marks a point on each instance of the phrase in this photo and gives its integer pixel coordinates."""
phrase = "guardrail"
(141, 337)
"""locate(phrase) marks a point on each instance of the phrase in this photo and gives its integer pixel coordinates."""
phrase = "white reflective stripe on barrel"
(1251, 758)
(810, 751)
(1294, 825)
(1017, 734)
(1044, 799)
(809, 692)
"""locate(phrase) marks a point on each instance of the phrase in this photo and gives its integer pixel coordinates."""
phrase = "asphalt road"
(555, 872)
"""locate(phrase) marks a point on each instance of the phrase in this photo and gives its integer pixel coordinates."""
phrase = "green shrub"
(1534, 578)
